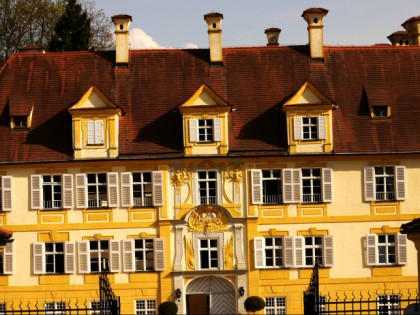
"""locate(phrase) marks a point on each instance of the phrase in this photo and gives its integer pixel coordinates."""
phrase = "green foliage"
(254, 304)
(72, 31)
(168, 308)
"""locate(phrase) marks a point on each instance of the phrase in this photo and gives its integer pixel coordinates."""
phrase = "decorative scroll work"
(189, 254)
(229, 254)
(234, 176)
(179, 178)
(207, 218)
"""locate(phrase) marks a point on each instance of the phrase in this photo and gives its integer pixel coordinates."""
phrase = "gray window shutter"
(327, 187)
(292, 183)
(112, 186)
(289, 251)
(370, 188)
(257, 191)
(99, 132)
(114, 253)
(9, 266)
(371, 249)
(259, 252)
(322, 127)
(159, 254)
(297, 128)
(36, 192)
(126, 190)
(81, 191)
(83, 252)
(38, 258)
(217, 129)
(328, 251)
(128, 256)
(157, 193)
(299, 251)
(6, 193)
(68, 191)
(193, 130)
(69, 257)
(400, 183)
(402, 257)
(90, 130)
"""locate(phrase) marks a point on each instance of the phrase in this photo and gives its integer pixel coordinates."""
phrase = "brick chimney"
(122, 25)
(412, 25)
(314, 17)
(273, 34)
(214, 23)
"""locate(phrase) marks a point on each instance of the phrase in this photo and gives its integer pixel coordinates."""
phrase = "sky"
(180, 23)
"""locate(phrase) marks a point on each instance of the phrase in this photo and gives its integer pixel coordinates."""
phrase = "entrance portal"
(210, 295)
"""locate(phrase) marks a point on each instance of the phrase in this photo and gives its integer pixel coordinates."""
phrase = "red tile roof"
(256, 81)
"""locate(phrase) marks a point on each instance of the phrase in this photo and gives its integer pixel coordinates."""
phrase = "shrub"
(254, 304)
(168, 308)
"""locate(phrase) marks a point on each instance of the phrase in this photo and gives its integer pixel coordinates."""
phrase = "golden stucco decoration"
(234, 176)
(229, 254)
(207, 218)
(180, 177)
(189, 254)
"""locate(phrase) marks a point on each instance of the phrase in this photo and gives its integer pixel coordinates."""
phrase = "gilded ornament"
(189, 254)
(179, 178)
(229, 254)
(233, 176)
(207, 219)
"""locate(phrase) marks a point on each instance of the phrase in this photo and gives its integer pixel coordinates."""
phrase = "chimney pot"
(399, 38)
(273, 34)
(214, 30)
(412, 25)
(314, 17)
(122, 25)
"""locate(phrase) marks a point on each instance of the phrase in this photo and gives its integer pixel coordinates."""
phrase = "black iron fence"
(363, 302)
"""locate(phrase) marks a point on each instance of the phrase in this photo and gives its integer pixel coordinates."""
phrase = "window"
(3, 309)
(100, 308)
(275, 306)
(386, 249)
(293, 251)
(208, 254)
(307, 185)
(380, 111)
(142, 189)
(146, 307)
(207, 187)
(146, 254)
(51, 192)
(205, 130)
(384, 183)
(268, 252)
(20, 122)
(311, 185)
(6, 260)
(97, 190)
(55, 308)
(322, 303)
(95, 132)
(310, 128)
(6, 193)
(99, 255)
(53, 258)
(388, 304)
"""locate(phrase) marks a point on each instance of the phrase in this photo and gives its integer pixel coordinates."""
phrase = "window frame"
(195, 128)
(370, 183)
(58, 308)
(127, 194)
(260, 252)
(6, 201)
(391, 301)
(129, 259)
(147, 309)
(372, 250)
(38, 192)
(219, 237)
(85, 256)
(209, 197)
(275, 308)
(39, 258)
(320, 126)
(95, 132)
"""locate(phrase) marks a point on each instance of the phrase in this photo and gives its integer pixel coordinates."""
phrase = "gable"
(94, 99)
(205, 97)
(307, 95)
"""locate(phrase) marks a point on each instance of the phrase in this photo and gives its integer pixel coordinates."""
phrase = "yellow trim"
(308, 86)
(219, 102)
(93, 90)
(312, 232)
(53, 236)
(54, 279)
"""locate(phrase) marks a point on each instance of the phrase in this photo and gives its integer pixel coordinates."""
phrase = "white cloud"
(140, 40)
(190, 45)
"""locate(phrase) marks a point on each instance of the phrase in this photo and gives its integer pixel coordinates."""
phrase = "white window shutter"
(400, 183)
(38, 259)
(83, 249)
(217, 129)
(299, 251)
(371, 249)
(112, 186)
(69, 257)
(322, 127)
(328, 251)
(126, 190)
(36, 192)
(9, 266)
(159, 254)
(402, 257)
(157, 178)
(81, 191)
(256, 189)
(128, 256)
(327, 186)
(297, 185)
(90, 130)
(99, 131)
(370, 188)
(6, 193)
(259, 251)
(114, 253)
(193, 130)
(297, 128)
(68, 191)
(288, 251)
(292, 185)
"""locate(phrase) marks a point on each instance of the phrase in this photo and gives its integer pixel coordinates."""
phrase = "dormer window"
(95, 132)
(309, 128)
(19, 123)
(381, 111)
(205, 130)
